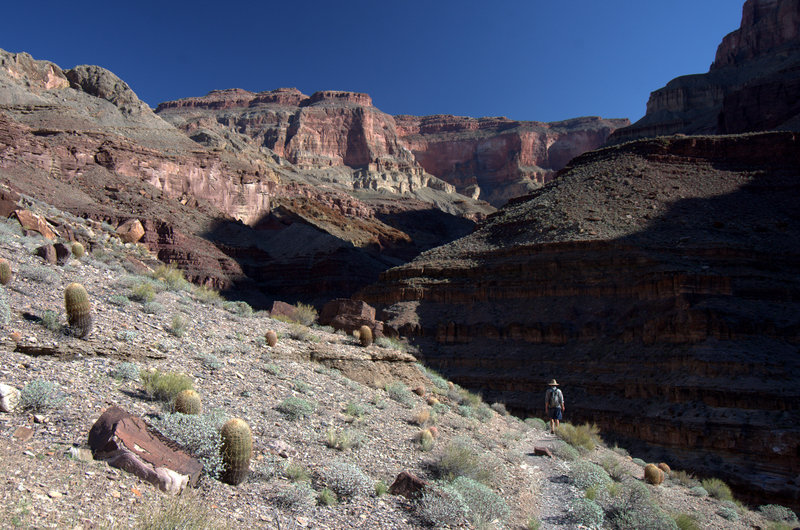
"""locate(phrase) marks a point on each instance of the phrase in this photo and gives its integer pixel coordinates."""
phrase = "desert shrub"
(442, 505)
(400, 393)
(119, 300)
(440, 408)
(342, 440)
(466, 411)
(296, 408)
(684, 478)
(184, 512)
(41, 396)
(533, 523)
(584, 437)
(209, 361)
(585, 474)
(207, 295)
(437, 380)
(460, 459)
(536, 423)
(355, 410)
(164, 386)
(326, 497)
(347, 480)
(302, 333)
(632, 508)
(620, 450)
(305, 314)
(565, 451)
(391, 344)
(484, 505)
(698, 491)
(587, 513)
(301, 386)
(172, 277)
(273, 369)
(381, 488)
(484, 413)
(178, 326)
(425, 439)
(728, 512)
(296, 472)
(717, 489)
(615, 468)
(49, 319)
(685, 521)
(239, 308)
(500, 408)
(463, 396)
(125, 372)
(776, 512)
(297, 496)
(38, 274)
(639, 462)
(5, 309)
(143, 292)
(152, 308)
(199, 433)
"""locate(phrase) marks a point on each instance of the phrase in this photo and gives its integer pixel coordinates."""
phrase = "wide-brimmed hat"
(553, 383)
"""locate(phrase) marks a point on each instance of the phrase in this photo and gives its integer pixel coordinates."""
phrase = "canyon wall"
(657, 281)
(752, 85)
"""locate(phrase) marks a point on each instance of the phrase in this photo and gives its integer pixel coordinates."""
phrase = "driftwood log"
(124, 441)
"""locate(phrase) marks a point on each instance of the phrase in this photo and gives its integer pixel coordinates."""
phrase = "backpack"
(554, 397)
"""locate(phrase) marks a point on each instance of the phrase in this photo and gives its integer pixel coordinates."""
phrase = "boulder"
(126, 442)
(542, 451)
(349, 315)
(408, 485)
(31, 221)
(8, 202)
(282, 309)
(130, 231)
(47, 253)
(9, 398)
(63, 253)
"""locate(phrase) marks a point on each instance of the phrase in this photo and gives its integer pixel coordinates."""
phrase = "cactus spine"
(365, 335)
(272, 338)
(5, 271)
(237, 446)
(188, 402)
(79, 315)
(78, 250)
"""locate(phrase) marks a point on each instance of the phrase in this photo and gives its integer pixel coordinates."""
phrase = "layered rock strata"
(657, 281)
(752, 85)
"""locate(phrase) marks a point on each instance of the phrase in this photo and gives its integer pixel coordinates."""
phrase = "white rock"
(9, 398)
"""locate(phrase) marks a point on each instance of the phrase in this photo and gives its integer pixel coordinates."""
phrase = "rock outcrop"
(657, 281)
(497, 159)
(752, 85)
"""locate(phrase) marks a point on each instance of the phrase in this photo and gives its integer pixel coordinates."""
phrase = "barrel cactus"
(79, 315)
(237, 446)
(5, 271)
(188, 402)
(653, 475)
(77, 250)
(272, 338)
(665, 468)
(365, 335)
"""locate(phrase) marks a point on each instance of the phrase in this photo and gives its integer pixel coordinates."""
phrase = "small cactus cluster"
(420, 390)
(79, 310)
(237, 446)
(665, 468)
(653, 475)
(272, 338)
(365, 336)
(5, 271)
(77, 250)
(188, 402)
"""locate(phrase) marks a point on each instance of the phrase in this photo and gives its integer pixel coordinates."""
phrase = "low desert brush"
(296, 408)
(459, 458)
(400, 393)
(347, 480)
(484, 504)
(164, 386)
(41, 396)
(207, 295)
(172, 277)
(186, 512)
(442, 505)
(717, 489)
(296, 472)
(305, 314)
(584, 437)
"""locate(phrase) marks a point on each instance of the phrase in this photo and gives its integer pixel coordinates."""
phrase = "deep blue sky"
(526, 59)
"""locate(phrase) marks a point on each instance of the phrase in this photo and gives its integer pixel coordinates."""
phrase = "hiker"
(554, 405)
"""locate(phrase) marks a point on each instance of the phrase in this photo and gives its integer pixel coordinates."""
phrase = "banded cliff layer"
(658, 281)
(342, 138)
(752, 85)
(81, 140)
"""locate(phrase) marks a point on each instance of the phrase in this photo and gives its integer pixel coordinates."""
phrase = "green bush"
(342, 440)
(437, 380)
(500, 408)
(302, 333)
(484, 505)
(126, 335)
(296, 472)
(5, 309)
(381, 488)
(199, 433)
(164, 386)
(119, 300)
(241, 309)
(698, 491)
(298, 496)
(326, 497)
(172, 277)
(50, 320)
(389, 343)
(585, 474)
(728, 512)
(152, 308)
(466, 411)
(717, 489)
(305, 314)
(685, 521)
(273, 369)
(587, 513)
(639, 462)
(632, 508)
(143, 292)
(184, 512)
(684, 478)
(209, 361)
(347, 480)
(207, 295)
(355, 410)
(440, 408)
(400, 393)
(178, 326)
(125, 372)
(442, 505)
(296, 408)
(41, 396)
(484, 413)
(460, 459)
(776, 512)
(584, 437)
(536, 423)
(615, 468)
(565, 451)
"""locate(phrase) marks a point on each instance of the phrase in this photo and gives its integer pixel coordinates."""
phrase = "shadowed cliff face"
(658, 281)
(753, 84)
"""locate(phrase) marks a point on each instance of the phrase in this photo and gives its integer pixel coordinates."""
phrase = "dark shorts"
(555, 413)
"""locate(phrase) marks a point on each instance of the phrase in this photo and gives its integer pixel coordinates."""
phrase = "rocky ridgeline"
(752, 85)
(657, 280)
